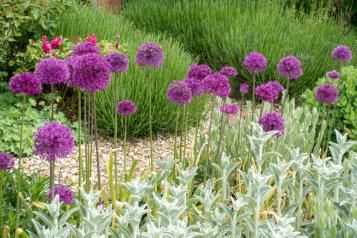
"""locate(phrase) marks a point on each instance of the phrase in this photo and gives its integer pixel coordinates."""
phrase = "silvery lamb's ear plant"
(282, 228)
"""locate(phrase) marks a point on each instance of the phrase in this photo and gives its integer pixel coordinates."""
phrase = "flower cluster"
(64, 193)
(342, 53)
(333, 74)
(86, 48)
(229, 71)
(327, 93)
(290, 67)
(229, 109)
(126, 108)
(54, 140)
(217, 84)
(272, 122)
(255, 63)
(278, 87)
(7, 161)
(179, 93)
(199, 71)
(244, 88)
(25, 83)
(52, 71)
(267, 92)
(118, 61)
(195, 85)
(150, 54)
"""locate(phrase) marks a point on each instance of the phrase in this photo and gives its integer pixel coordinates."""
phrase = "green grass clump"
(224, 32)
(134, 83)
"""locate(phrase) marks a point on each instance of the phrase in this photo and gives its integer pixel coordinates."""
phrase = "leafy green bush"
(345, 112)
(224, 32)
(134, 83)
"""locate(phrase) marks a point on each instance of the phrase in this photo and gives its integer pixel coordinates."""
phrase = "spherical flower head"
(255, 62)
(25, 83)
(272, 122)
(46, 47)
(91, 73)
(229, 109)
(217, 84)
(195, 85)
(333, 74)
(278, 87)
(342, 53)
(52, 71)
(54, 141)
(70, 63)
(86, 48)
(126, 108)
(327, 93)
(64, 193)
(229, 71)
(7, 161)
(118, 61)
(199, 71)
(149, 54)
(179, 93)
(56, 42)
(290, 67)
(244, 88)
(267, 92)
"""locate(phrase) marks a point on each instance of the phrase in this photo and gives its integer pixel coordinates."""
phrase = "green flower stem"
(221, 130)
(240, 124)
(195, 142)
(116, 97)
(96, 139)
(52, 163)
(182, 155)
(18, 175)
(261, 109)
(124, 144)
(176, 132)
(286, 98)
(80, 160)
(209, 139)
(1, 198)
(150, 122)
(86, 152)
(185, 136)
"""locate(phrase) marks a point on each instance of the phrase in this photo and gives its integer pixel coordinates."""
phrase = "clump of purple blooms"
(272, 122)
(7, 161)
(86, 48)
(229, 109)
(179, 93)
(53, 141)
(91, 73)
(255, 62)
(229, 71)
(327, 93)
(52, 71)
(25, 83)
(290, 67)
(64, 193)
(199, 71)
(244, 88)
(70, 63)
(126, 108)
(150, 54)
(217, 84)
(267, 92)
(342, 53)
(195, 85)
(278, 87)
(118, 61)
(333, 74)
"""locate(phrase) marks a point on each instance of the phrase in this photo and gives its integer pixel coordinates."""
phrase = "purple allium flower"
(86, 48)
(229, 71)
(278, 87)
(149, 54)
(25, 83)
(217, 84)
(342, 53)
(64, 193)
(199, 71)
(229, 109)
(91, 73)
(118, 61)
(244, 88)
(267, 92)
(7, 161)
(272, 122)
(52, 71)
(255, 62)
(70, 62)
(195, 85)
(327, 93)
(290, 67)
(333, 74)
(179, 93)
(126, 108)
(53, 141)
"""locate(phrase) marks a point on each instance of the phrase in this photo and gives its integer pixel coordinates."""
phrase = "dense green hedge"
(224, 32)
(134, 84)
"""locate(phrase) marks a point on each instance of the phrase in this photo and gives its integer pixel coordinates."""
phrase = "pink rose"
(46, 47)
(56, 42)
(92, 38)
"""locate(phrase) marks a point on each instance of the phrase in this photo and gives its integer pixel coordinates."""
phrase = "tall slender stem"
(1, 199)
(185, 136)
(52, 163)
(116, 96)
(124, 144)
(86, 153)
(150, 121)
(80, 161)
(181, 135)
(209, 139)
(240, 124)
(221, 130)
(286, 99)
(253, 96)
(176, 131)
(96, 140)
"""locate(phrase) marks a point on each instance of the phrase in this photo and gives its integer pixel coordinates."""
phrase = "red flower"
(46, 47)
(56, 42)
(92, 38)
(117, 44)
(54, 53)
(44, 38)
